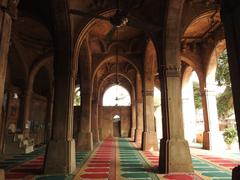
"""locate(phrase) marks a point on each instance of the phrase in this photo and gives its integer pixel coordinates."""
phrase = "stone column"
(230, 15)
(48, 122)
(25, 113)
(149, 134)
(95, 130)
(174, 150)
(7, 12)
(189, 115)
(213, 138)
(85, 137)
(133, 127)
(60, 155)
(139, 106)
(139, 129)
(206, 141)
(100, 122)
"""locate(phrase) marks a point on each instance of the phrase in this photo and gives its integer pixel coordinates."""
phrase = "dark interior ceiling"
(39, 10)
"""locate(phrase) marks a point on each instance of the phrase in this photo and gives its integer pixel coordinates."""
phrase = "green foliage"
(77, 98)
(222, 73)
(197, 96)
(229, 135)
(225, 103)
(224, 100)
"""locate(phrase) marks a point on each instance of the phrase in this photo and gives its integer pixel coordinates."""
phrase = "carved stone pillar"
(139, 106)
(139, 129)
(7, 12)
(25, 113)
(48, 123)
(189, 116)
(60, 157)
(213, 138)
(174, 149)
(149, 134)
(85, 137)
(100, 129)
(95, 130)
(206, 141)
(230, 15)
(133, 127)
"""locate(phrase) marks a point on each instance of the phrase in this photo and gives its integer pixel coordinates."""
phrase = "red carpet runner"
(29, 168)
(102, 164)
(223, 162)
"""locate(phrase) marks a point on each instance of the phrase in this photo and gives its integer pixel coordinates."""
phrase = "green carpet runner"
(132, 165)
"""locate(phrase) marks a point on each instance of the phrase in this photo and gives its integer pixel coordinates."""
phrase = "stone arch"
(108, 58)
(109, 76)
(17, 69)
(101, 92)
(188, 105)
(25, 66)
(199, 15)
(191, 61)
(120, 45)
(150, 59)
(212, 63)
(39, 63)
(82, 35)
(186, 75)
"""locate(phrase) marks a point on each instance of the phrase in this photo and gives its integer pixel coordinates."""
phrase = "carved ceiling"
(108, 68)
(203, 26)
(111, 80)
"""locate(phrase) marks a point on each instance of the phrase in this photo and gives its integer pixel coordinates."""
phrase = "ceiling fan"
(121, 18)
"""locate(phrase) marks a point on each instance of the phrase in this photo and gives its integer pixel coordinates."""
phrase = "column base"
(85, 141)
(150, 142)
(175, 156)
(213, 141)
(100, 134)
(95, 134)
(206, 140)
(236, 173)
(132, 133)
(138, 136)
(60, 157)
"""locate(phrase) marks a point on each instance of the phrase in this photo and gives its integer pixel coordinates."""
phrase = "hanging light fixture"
(116, 75)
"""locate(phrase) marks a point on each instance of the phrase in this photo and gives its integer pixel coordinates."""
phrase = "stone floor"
(119, 158)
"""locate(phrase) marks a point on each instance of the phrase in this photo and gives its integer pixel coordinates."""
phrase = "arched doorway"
(116, 112)
(116, 126)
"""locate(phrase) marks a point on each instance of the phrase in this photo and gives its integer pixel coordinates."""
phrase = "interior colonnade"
(67, 44)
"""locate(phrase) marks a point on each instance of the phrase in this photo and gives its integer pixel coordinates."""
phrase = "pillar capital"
(173, 70)
(148, 92)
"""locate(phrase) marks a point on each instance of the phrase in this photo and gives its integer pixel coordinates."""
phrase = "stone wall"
(106, 116)
(76, 121)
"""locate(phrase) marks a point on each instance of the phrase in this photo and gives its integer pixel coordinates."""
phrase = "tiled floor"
(118, 158)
